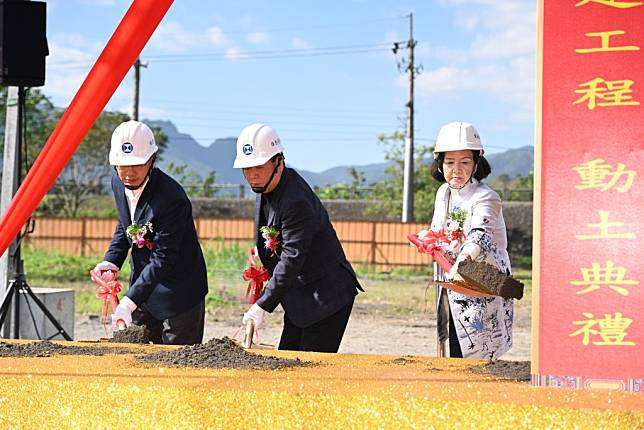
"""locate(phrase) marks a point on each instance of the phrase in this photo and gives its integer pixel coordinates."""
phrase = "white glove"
(256, 314)
(452, 272)
(123, 312)
(105, 265)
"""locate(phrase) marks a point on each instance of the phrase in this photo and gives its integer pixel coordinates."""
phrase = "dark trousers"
(454, 344)
(446, 327)
(183, 329)
(323, 336)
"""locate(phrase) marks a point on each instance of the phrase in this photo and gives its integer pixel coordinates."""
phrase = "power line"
(332, 49)
(241, 55)
(311, 27)
(300, 110)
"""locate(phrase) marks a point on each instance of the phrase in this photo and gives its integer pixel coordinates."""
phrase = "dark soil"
(500, 369)
(485, 278)
(217, 354)
(132, 334)
(46, 348)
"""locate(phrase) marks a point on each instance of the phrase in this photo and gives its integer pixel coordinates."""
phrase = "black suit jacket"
(310, 275)
(170, 278)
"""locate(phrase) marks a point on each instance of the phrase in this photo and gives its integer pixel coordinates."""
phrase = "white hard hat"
(132, 144)
(457, 136)
(257, 144)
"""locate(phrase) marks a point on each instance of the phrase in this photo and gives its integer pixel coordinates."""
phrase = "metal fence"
(382, 245)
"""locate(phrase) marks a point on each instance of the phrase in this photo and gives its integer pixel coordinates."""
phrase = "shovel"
(249, 335)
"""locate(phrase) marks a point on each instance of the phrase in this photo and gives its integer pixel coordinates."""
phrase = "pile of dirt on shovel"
(217, 354)
(46, 348)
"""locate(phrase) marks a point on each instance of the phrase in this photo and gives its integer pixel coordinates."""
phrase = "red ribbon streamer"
(107, 291)
(256, 275)
(434, 244)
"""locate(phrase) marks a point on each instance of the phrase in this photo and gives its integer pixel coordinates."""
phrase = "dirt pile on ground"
(46, 348)
(501, 369)
(218, 353)
(132, 334)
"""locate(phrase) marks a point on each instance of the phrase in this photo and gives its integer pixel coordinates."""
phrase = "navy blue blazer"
(310, 275)
(170, 278)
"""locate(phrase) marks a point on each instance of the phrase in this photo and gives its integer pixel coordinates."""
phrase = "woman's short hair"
(482, 171)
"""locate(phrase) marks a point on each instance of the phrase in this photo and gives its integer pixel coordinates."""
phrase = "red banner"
(588, 324)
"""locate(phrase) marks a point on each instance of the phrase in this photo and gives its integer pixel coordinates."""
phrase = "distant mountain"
(219, 156)
(512, 162)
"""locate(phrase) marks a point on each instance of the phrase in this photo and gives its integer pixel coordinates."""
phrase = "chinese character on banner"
(588, 277)
(597, 174)
(611, 329)
(609, 93)
(605, 43)
(610, 276)
(612, 3)
(603, 225)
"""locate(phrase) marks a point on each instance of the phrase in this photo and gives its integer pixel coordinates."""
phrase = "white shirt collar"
(133, 197)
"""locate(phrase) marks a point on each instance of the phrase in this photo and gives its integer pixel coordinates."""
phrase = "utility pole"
(408, 174)
(10, 178)
(137, 78)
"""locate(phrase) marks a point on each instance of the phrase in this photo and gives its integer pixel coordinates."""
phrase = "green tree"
(525, 184)
(388, 194)
(194, 184)
(354, 191)
(41, 118)
(88, 171)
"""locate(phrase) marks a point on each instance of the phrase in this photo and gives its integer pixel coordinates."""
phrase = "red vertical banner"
(588, 296)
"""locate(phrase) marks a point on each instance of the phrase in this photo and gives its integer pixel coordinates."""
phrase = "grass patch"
(397, 296)
(41, 263)
(399, 292)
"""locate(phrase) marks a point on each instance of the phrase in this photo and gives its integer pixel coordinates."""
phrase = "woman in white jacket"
(473, 327)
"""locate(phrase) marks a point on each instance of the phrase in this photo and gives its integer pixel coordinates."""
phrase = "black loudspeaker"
(23, 43)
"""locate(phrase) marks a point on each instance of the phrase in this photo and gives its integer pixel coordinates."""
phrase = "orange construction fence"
(380, 244)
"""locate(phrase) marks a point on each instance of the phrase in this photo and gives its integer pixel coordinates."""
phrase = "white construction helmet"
(257, 144)
(132, 144)
(457, 136)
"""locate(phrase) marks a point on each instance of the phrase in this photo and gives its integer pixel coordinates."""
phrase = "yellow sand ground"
(341, 391)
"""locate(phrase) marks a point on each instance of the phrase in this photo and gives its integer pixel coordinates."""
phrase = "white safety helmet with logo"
(457, 136)
(132, 144)
(257, 144)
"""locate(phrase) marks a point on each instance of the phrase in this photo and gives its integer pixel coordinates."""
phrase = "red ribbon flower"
(271, 241)
(434, 243)
(108, 288)
(256, 275)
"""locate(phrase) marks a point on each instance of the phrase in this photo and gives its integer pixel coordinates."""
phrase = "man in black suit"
(310, 275)
(168, 281)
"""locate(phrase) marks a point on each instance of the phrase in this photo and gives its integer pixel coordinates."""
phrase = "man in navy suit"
(168, 281)
(310, 275)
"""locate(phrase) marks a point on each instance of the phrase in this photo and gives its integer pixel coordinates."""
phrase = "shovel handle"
(250, 332)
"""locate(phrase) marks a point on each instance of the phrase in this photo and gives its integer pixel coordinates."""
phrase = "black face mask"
(262, 189)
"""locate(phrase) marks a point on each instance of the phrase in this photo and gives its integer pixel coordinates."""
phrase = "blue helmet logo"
(127, 147)
(247, 149)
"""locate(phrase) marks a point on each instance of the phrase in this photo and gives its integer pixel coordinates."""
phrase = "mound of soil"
(500, 369)
(46, 348)
(132, 334)
(485, 278)
(217, 354)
